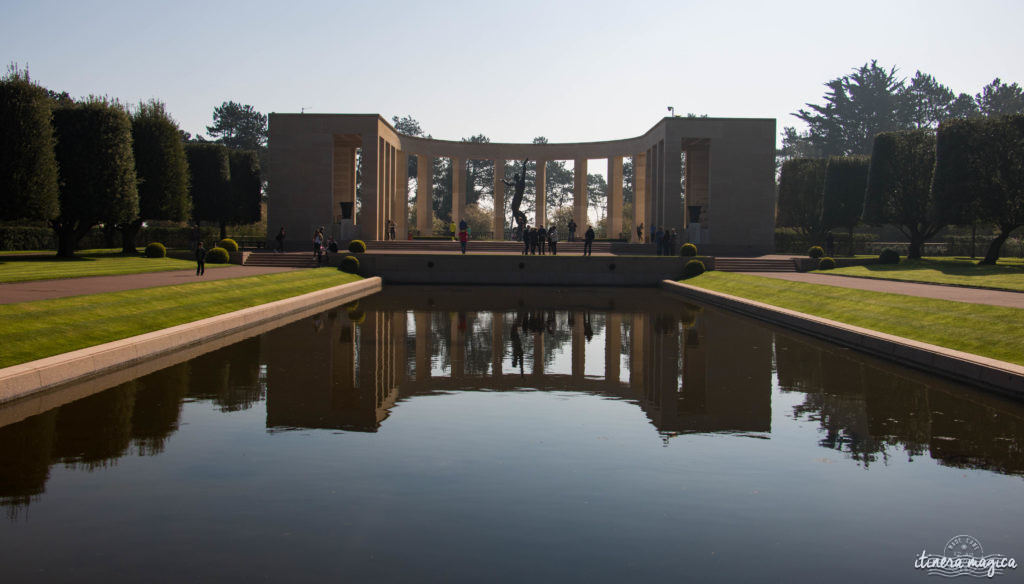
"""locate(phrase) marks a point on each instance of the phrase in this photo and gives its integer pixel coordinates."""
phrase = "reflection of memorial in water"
(346, 370)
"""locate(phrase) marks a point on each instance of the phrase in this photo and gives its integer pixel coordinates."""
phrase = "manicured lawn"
(1008, 274)
(23, 268)
(33, 330)
(990, 331)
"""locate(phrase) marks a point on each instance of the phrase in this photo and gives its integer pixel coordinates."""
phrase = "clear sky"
(571, 71)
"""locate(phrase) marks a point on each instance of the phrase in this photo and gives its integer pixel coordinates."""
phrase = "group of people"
(321, 246)
(664, 241)
(536, 239)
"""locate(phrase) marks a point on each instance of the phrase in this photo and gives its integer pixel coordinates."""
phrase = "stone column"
(373, 149)
(457, 350)
(398, 331)
(344, 179)
(615, 196)
(458, 189)
(640, 193)
(636, 354)
(651, 206)
(579, 196)
(541, 189)
(382, 190)
(401, 216)
(498, 224)
(424, 194)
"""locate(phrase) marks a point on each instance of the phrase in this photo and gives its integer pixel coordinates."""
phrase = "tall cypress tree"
(28, 168)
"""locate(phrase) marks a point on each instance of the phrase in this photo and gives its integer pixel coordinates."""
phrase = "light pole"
(672, 111)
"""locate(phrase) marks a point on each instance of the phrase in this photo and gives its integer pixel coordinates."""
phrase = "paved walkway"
(954, 293)
(46, 289)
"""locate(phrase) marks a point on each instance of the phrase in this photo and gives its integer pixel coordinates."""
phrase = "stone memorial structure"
(726, 203)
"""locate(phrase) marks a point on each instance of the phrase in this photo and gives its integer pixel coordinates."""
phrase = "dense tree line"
(78, 164)
(936, 159)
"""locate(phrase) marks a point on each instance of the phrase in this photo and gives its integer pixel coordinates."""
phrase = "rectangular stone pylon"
(458, 190)
(579, 195)
(401, 216)
(424, 194)
(541, 188)
(614, 196)
(498, 224)
(640, 194)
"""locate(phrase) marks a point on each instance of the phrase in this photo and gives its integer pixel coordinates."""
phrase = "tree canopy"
(842, 204)
(28, 168)
(210, 180)
(239, 127)
(801, 184)
(97, 169)
(899, 186)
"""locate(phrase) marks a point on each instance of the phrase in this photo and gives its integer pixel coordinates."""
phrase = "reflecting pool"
(443, 434)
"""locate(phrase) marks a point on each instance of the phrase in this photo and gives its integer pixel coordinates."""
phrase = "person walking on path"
(588, 241)
(280, 241)
(640, 232)
(463, 240)
(572, 230)
(553, 240)
(200, 259)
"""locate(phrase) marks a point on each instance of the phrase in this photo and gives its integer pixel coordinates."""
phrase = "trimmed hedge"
(693, 268)
(889, 256)
(826, 263)
(357, 246)
(217, 255)
(688, 250)
(156, 250)
(228, 244)
(815, 251)
(349, 264)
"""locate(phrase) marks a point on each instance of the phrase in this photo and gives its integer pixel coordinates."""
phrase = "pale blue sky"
(571, 71)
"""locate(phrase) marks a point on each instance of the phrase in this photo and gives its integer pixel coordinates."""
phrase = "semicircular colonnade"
(725, 167)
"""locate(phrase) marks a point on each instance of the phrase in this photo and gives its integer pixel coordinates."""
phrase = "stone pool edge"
(990, 374)
(25, 379)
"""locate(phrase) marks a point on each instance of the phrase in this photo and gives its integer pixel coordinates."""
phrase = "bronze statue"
(519, 181)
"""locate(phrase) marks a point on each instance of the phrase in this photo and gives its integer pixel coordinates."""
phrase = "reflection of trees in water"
(25, 460)
(870, 413)
(230, 377)
(158, 407)
(95, 431)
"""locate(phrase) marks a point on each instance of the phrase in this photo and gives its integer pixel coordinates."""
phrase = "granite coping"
(990, 374)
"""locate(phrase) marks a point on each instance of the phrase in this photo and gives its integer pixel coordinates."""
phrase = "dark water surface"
(507, 435)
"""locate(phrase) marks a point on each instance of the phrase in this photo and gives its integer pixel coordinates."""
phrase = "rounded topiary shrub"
(349, 265)
(889, 256)
(156, 250)
(826, 263)
(229, 244)
(815, 251)
(688, 250)
(356, 315)
(217, 255)
(357, 246)
(693, 268)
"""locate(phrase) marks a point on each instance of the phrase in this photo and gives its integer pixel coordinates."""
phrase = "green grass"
(1007, 274)
(87, 263)
(33, 330)
(989, 331)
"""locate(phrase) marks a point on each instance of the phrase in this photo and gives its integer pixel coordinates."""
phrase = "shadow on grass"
(950, 267)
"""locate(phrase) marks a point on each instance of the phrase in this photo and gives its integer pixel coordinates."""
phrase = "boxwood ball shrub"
(688, 250)
(889, 256)
(217, 255)
(156, 250)
(357, 246)
(229, 244)
(815, 251)
(349, 265)
(826, 263)
(693, 268)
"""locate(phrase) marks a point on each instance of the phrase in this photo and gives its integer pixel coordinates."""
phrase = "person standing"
(200, 259)
(588, 241)
(463, 240)
(280, 241)
(392, 230)
(553, 240)
(659, 245)
(572, 230)
(542, 239)
(640, 232)
(318, 246)
(526, 239)
(451, 230)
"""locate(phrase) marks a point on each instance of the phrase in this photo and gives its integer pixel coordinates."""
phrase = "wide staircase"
(293, 259)
(724, 264)
(481, 246)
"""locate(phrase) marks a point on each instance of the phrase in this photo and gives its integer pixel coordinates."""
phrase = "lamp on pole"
(672, 111)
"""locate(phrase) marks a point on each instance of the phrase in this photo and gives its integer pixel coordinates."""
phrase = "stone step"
(753, 265)
(284, 260)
